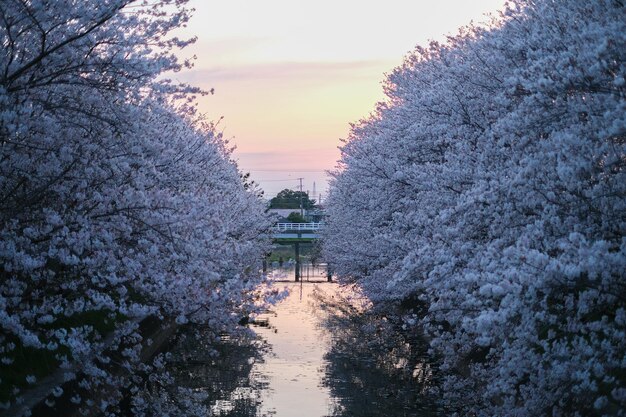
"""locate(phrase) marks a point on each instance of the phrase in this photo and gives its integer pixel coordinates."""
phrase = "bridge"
(295, 234)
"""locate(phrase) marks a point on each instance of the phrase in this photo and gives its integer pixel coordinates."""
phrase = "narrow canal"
(294, 366)
(315, 354)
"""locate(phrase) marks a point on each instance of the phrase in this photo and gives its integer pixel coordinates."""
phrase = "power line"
(285, 170)
(290, 179)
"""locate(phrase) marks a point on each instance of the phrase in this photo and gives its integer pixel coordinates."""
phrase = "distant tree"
(296, 218)
(289, 199)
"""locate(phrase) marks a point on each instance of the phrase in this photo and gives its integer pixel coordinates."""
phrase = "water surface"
(318, 353)
(294, 367)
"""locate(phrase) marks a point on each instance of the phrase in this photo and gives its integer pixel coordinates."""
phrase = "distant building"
(315, 215)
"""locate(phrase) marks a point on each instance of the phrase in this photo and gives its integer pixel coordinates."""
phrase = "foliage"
(250, 185)
(490, 186)
(289, 199)
(117, 200)
(295, 218)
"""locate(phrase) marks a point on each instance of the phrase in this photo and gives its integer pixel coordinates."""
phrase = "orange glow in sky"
(291, 75)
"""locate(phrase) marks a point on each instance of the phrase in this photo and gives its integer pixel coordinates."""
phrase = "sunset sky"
(290, 75)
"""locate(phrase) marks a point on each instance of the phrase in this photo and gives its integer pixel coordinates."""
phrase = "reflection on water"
(372, 368)
(316, 354)
(295, 364)
(223, 372)
(205, 378)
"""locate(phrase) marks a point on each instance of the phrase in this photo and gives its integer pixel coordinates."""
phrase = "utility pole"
(297, 245)
(301, 208)
(297, 249)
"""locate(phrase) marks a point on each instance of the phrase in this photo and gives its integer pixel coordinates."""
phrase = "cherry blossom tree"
(118, 201)
(490, 189)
